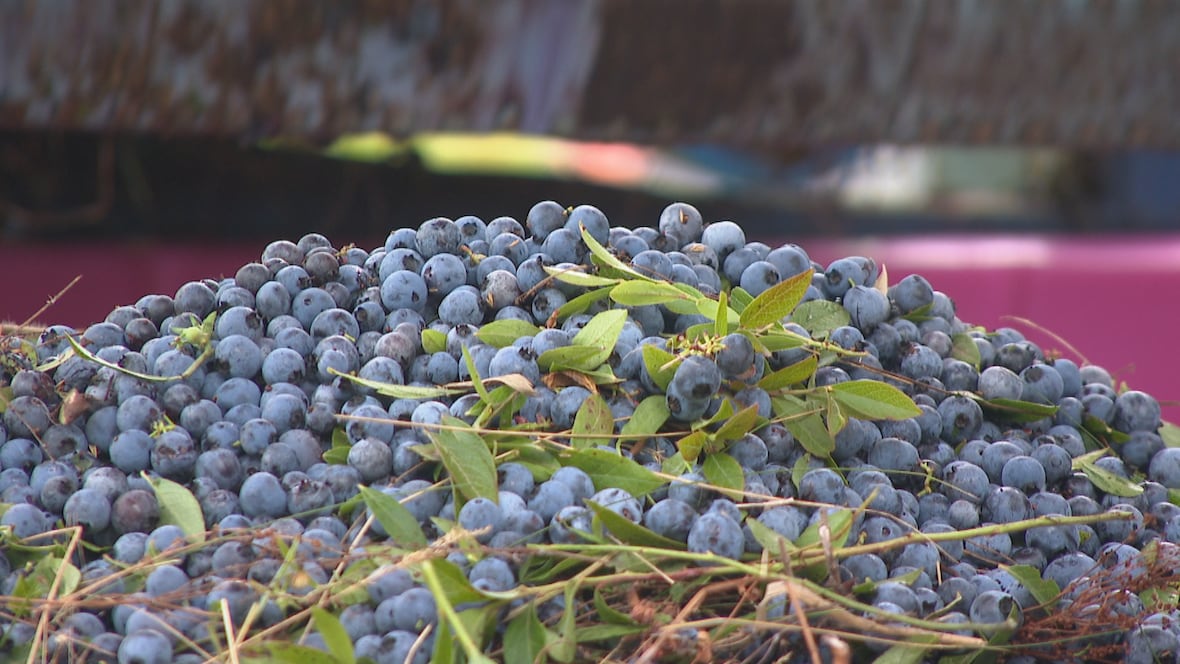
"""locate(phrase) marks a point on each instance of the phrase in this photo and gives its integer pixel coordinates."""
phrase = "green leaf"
(577, 277)
(800, 468)
(776, 302)
(1014, 410)
(593, 423)
(337, 454)
(819, 317)
(676, 465)
(873, 400)
(602, 375)
(601, 332)
(839, 527)
(576, 358)
(592, 633)
(1103, 479)
(724, 471)
(649, 416)
(432, 577)
(540, 462)
(581, 303)
(699, 331)
(643, 293)
(1101, 430)
(806, 424)
(566, 646)
(501, 333)
(798, 372)
(629, 532)
(293, 653)
(42, 577)
(608, 260)
(337, 640)
(400, 391)
(433, 341)
(905, 654)
(467, 459)
(660, 365)
(740, 424)
(773, 340)
(690, 446)
(178, 507)
(1171, 434)
(609, 469)
(526, 636)
(607, 613)
(476, 380)
(722, 316)
(770, 540)
(740, 299)
(1045, 591)
(402, 527)
(963, 348)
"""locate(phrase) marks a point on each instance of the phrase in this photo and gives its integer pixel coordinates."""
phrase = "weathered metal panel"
(761, 73)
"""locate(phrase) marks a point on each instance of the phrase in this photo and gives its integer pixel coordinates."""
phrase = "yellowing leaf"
(593, 424)
(433, 341)
(179, 507)
(776, 302)
(578, 278)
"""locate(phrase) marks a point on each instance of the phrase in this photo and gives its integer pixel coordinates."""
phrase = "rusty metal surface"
(770, 74)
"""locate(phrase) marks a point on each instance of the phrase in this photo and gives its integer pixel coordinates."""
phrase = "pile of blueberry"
(261, 394)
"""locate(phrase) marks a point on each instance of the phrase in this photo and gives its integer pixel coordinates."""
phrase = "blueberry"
(544, 218)
(146, 646)
(716, 533)
(263, 496)
(898, 458)
(1042, 384)
(619, 502)
(994, 606)
(590, 218)
(759, 277)
(438, 236)
(1024, 473)
(723, 237)
(961, 418)
(576, 479)
(682, 222)
(566, 405)
(920, 361)
(88, 508)
(653, 264)
(821, 485)
(1136, 411)
(671, 518)
(844, 273)
(866, 306)
(911, 293)
(789, 260)
(568, 522)
(481, 514)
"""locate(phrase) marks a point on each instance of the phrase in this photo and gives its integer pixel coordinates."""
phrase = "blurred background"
(1022, 156)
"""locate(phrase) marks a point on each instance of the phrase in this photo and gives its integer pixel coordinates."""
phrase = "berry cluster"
(470, 390)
